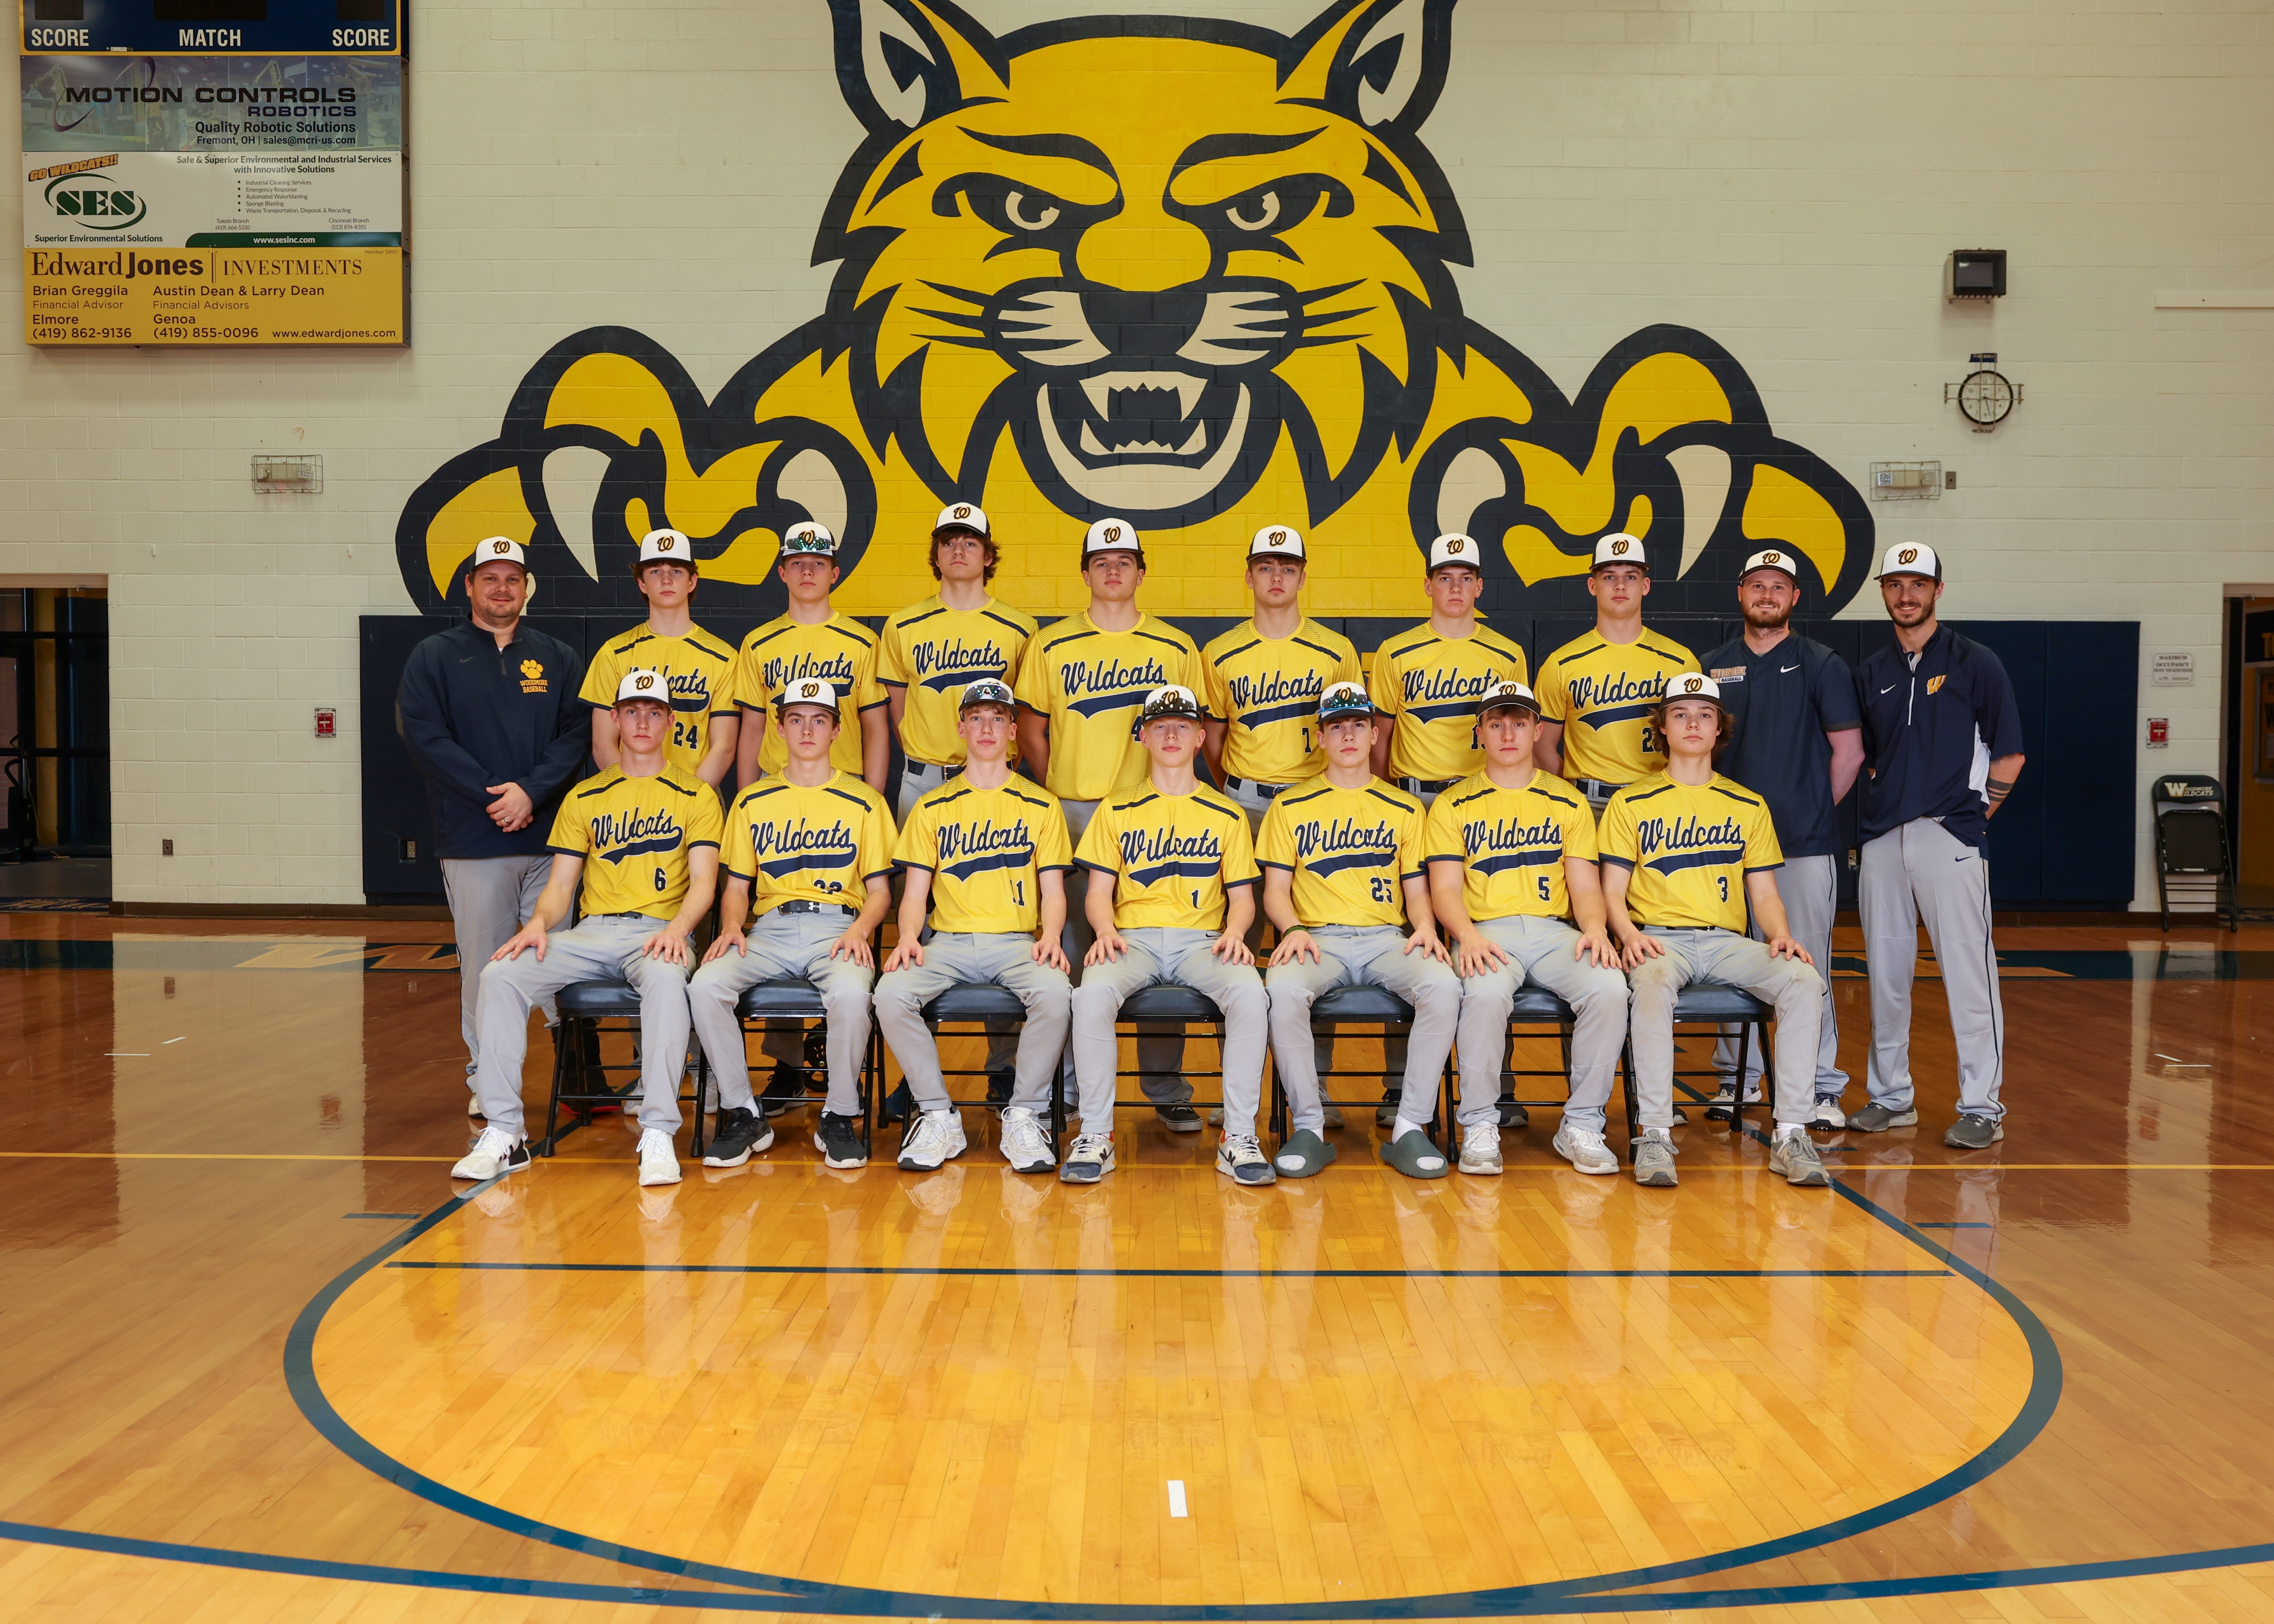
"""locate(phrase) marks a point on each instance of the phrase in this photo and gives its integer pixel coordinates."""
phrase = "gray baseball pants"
(1160, 1047)
(1710, 955)
(1809, 889)
(491, 898)
(1180, 957)
(778, 946)
(603, 949)
(953, 959)
(1542, 951)
(917, 781)
(1923, 871)
(1360, 955)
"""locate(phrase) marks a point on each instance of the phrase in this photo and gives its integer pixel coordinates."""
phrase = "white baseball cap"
(962, 516)
(668, 546)
(1774, 558)
(1618, 547)
(640, 682)
(1277, 541)
(1112, 535)
(810, 539)
(1911, 558)
(1692, 685)
(1169, 700)
(1508, 697)
(497, 550)
(808, 691)
(1454, 548)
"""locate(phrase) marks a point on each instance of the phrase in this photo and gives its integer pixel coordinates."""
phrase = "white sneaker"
(935, 1137)
(1088, 1160)
(1827, 1114)
(1583, 1150)
(493, 1153)
(1240, 1159)
(1480, 1149)
(659, 1163)
(1024, 1146)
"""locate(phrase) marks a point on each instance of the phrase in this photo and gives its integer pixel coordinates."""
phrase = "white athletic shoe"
(1240, 1159)
(1024, 1146)
(659, 1163)
(1480, 1149)
(1794, 1154)
(935, 1137)
(493, 1153)
(1827, 1114)
(1088, 1160)
(1583, 1150)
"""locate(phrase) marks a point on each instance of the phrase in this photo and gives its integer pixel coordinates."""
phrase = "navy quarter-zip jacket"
(1931, 727)
(472, 714)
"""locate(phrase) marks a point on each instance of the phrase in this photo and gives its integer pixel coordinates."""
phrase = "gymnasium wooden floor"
(263, 1362)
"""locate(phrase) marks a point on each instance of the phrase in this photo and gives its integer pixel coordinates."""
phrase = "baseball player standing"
(488, 712)
(1942, 749)
(644, 842)
(810, 641)
(1431, 676)
(700, 667)
(989, 853)
(1797, 745)
(1599, 693)
(1080, 691)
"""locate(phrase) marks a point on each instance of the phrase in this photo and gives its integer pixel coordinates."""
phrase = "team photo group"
(1101, 806)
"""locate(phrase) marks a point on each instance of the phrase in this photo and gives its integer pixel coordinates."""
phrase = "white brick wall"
(1786, 178)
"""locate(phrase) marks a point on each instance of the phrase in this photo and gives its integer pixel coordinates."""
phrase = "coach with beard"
(1798, 746)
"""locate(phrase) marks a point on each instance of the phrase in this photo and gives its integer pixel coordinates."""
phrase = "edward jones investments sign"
(213, 200)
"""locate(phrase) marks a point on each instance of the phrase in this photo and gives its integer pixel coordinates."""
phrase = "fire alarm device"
(326, 722)
(2159, 731)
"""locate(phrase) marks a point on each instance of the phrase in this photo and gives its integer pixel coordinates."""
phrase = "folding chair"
(973, 1002)
(1714, 1004)
(1536, 1006)
(773, 1004)
(1163, 1002)
(1360, 1005)
(580, 1084)
(2191, 845)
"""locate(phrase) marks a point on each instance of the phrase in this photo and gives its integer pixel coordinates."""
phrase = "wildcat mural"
(1187, 271)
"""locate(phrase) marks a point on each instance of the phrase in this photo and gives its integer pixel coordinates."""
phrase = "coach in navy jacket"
(1942, 746)
(489, 713)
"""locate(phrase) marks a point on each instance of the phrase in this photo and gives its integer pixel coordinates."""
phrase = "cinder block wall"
(1785, 179)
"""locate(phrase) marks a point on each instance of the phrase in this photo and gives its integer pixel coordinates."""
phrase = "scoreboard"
(202, 174)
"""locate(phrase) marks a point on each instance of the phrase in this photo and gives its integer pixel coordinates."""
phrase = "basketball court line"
(1179, 1273)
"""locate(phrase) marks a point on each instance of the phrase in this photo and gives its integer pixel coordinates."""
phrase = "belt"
(635, 914)
(924, 766)
(1263, 792)
(1426, 786)
(1593, 786)
(813, 907)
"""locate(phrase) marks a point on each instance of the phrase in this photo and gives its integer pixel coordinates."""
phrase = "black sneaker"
(785, 1091)
(838, 1141)
(998, 1090)
(815, 1057)
(1511, 1114)
(900, 1105)
(1179, 1118)
(738, 1133)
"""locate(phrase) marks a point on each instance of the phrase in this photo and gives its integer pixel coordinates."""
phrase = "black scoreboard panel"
(293, 28)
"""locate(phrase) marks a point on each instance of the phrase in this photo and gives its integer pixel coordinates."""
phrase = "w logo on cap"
(500, 546)
(1454, 544)
(1278, 538)
(1694, 685)
(1771, 558)
(643, 682)
(1112, 532)
(808, 689)
(963, 510)
(1909, 555)
(663, 544)
(1619, 547)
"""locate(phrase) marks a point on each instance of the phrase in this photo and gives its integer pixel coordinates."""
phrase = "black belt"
(1588, 787)
(1427, 786)
(1264, 790)
(815, 907)
(635, 914)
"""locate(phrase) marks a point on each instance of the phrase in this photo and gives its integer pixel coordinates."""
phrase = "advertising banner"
(194, 200)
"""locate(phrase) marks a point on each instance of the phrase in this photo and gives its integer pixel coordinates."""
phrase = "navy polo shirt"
(1931, 727)
(1784, 702)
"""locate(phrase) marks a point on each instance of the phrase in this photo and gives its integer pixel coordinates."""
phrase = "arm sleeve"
(1101, 844)
(1032, 685)
(564, 759)
(1440, 832)
(1350, 670)
(893, 656)
(875, 850)
(1215, 692)
(422, 717)
(706, 824)
(1580, 837)
(1761, 848)
(918, 847)
(571, 833)
(1239, 855)
(1835, 696)
(738, 853)
(1412, 845)
(1389, 693)
(600, 680)
(868, 693)
(1615, 839)
(1555, 696)
(1275, 843)
(746, 687)
(1052, 848)
(1996, 713)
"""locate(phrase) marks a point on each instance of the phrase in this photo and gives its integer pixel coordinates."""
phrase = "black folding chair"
(1713, 1004)
(1361, 1006)
(580, 1081)
(1534, 1006)
(1167, 1002)
(980, 1003)
(2192, 847)
(793, 1001)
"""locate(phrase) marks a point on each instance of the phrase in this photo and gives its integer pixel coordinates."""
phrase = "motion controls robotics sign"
(196, 196)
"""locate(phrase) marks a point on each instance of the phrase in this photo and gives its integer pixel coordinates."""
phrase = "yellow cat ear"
(903, 62)
(1380, 62)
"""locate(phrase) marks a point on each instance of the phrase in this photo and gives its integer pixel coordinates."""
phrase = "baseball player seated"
(989, 853)
(1171, 878)
(1684, 852)
(1512, 876)
(803, 848)
(645, 839)
(1343, 874)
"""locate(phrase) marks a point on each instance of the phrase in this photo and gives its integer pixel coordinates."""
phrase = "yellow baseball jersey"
(1603, 694)
(1511, 843)
(1429, 687)
(1266, 692)
(932, 651)
(1348, 849)
(1089, 685)
(795, 844)
(1175, 857)
(699, 669)
(986, 850)
(1690, 848)
(634, 835)
(839, 649)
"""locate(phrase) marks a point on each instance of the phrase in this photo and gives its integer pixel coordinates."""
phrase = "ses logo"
(94, 203)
